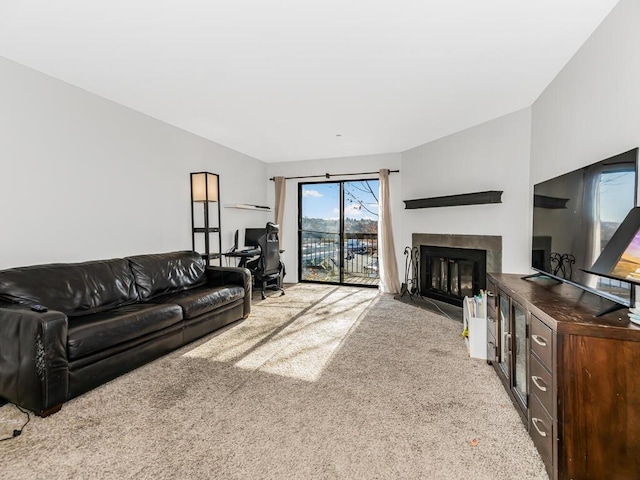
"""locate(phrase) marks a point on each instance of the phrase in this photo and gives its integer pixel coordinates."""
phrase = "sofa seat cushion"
(91, 333)
(201, 300)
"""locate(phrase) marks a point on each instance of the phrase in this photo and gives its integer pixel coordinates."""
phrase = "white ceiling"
(279, 80)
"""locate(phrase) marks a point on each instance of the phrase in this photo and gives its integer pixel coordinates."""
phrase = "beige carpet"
(324, 382)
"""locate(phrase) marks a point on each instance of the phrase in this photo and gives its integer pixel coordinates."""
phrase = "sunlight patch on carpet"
(293, 342)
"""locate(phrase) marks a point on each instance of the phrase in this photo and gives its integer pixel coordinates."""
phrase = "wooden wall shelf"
(544, 201)
(246, 206)
(478, 198)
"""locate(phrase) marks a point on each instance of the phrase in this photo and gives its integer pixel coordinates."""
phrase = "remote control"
(39, 308)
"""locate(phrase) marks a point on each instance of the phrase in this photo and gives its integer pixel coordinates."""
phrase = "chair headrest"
(272, 228)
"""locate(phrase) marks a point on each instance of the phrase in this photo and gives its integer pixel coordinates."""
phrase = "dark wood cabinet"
(601, 391)
(580, 396)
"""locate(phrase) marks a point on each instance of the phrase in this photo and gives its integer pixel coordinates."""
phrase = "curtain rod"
(329, 175)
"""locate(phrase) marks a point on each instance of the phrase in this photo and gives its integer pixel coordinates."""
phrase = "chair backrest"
(270, 249)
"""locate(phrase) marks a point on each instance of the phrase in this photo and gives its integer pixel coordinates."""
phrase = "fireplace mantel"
(477, 198)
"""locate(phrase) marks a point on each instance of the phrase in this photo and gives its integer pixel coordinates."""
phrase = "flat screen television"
(575, 216)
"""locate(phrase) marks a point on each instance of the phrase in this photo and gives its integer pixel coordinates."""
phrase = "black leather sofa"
(106, 318)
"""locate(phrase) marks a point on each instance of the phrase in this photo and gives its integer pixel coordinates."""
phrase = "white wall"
(490, 156)
(591, 110)
(84, 178)
(367, 163)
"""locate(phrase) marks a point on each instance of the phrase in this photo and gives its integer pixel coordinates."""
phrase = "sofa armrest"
(217, 276)
(34, 371)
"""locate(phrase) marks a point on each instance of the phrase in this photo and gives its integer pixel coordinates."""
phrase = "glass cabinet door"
(504, 334)
(519, 350)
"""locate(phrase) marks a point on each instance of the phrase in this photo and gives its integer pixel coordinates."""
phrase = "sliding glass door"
(338, 232)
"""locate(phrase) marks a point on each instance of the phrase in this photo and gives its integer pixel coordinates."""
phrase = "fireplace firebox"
(450, 274)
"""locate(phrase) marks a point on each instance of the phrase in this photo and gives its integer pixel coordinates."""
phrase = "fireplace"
(450, 274)
(452, 267)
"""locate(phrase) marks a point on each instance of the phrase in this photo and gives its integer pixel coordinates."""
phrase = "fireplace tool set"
(411, 283)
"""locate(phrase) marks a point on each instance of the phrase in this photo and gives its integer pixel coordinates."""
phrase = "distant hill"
(607, 229)
(328, 225)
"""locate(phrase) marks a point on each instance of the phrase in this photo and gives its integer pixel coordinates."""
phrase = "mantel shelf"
(478, 198)
(545, 201)
(246, 206)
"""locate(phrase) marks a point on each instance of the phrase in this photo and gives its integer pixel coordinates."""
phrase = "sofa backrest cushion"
(72, 288)
(164, 273)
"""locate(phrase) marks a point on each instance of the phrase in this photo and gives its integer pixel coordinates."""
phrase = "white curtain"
(588, 208)
(279, 209)
(389, 281)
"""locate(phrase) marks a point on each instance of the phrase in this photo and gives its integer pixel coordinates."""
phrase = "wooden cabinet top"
(567, 309)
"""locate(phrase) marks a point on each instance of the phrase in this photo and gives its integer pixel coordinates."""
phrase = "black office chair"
(268, 267)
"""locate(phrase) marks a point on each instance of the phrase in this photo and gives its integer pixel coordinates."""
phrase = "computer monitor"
(251, 236)
(235, 241)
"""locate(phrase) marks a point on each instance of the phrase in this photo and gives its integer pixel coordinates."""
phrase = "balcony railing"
(321, 260)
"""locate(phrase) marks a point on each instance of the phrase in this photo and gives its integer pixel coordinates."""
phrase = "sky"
(322, 200)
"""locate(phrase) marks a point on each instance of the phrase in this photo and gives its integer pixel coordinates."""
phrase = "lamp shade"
(204, 187)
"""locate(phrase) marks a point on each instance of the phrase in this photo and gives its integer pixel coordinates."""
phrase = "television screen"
(621, 259)
(628, 266)
(576, 215)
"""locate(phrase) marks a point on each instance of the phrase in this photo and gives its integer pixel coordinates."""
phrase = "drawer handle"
(539, 340)
(535, 421)
(536, 380)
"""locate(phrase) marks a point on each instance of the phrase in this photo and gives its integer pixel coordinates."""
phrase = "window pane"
(613, 186)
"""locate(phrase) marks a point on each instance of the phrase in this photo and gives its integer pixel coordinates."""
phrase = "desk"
(243, 255)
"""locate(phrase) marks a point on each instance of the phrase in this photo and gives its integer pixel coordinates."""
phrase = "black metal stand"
(612, 308)
(618, 306)
(411, 281)
(539, 275)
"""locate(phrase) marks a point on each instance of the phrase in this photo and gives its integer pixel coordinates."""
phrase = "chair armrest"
(34, 370)
(217, 276)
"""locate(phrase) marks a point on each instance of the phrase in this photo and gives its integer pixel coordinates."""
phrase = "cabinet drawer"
(541, 337)
(541, 431)
(541, 384)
